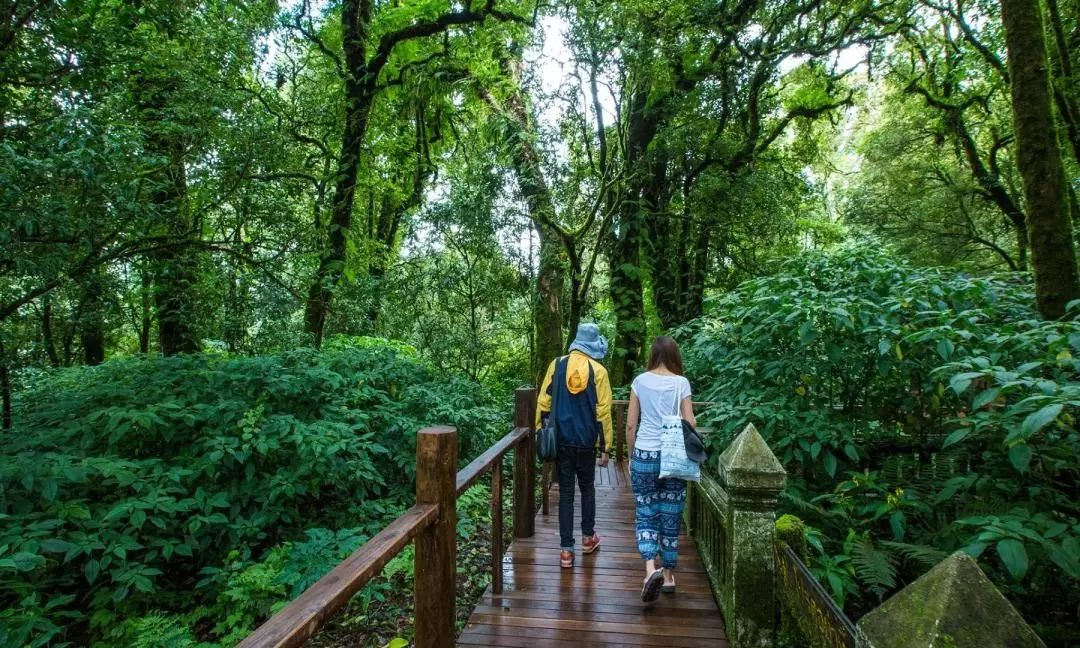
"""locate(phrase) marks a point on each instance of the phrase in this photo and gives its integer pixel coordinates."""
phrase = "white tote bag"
(674, 464)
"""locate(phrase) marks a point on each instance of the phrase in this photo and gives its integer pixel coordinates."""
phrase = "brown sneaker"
(590, 545)
(566, 559)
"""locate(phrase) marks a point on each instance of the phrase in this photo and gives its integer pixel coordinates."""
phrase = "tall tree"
(364, 59)
(1053, 257)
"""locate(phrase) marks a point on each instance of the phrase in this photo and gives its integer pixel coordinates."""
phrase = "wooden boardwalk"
(597, 603)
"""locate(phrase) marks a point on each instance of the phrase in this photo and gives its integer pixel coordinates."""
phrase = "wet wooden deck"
(597, 603)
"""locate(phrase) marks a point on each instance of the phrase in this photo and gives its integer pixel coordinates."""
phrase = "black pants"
(579, 463)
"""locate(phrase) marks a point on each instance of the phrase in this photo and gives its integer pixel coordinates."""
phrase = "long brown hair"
(665, 351)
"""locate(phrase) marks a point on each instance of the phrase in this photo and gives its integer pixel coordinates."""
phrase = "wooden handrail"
(299, 620)
(470, 474)
(432, 523)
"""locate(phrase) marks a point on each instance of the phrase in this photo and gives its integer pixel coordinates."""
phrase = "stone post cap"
(953, 604)
(749, 464)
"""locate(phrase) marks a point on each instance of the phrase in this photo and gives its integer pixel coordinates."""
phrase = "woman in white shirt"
(661, 391)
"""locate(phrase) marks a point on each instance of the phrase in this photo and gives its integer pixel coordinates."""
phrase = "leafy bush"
(149, 487)
(918, 411)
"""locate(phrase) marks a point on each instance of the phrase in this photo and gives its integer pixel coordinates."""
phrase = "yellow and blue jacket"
(584, 414)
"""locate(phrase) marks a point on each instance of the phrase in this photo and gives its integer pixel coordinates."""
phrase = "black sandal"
(650, 591)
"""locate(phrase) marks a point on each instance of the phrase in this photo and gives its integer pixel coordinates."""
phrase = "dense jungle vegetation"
(248, 248)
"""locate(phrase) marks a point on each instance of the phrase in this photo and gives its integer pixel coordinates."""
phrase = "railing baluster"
(620, 433)
(545, 486)
(496, 528)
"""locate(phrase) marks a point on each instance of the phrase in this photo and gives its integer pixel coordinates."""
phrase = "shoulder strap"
(558, 375)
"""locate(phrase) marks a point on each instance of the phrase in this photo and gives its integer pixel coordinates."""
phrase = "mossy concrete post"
(953, 605)
(753, 479)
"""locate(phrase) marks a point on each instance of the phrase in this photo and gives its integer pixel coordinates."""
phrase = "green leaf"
(23, 561)
(961, 381)
(92, 569)
(985, 397)
(956, 437)
(897, 522)
(56, 545)
(1020, 456)
(1041, 418)
(1068, 563)
(48, 490)
(945, 348)
(830, 464)
(1015, 557)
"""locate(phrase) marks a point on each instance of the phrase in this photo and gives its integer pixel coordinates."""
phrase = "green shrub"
(918, 411)
(149, 487)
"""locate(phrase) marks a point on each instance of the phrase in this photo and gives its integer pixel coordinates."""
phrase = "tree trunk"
(696, 263)
(554, 246)
(393, 213)
(5, 389)
(91, 322)
(47, 332)
(359, 96)
(332, 264)
(626, 273)
(1053, 258)
(146, 323)
(664, 243)
(550, 281)
(1064, 95)
(175, 266)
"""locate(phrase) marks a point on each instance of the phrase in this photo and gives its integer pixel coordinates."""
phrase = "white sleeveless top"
(659, 396)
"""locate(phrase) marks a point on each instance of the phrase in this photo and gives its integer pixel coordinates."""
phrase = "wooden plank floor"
(598, 602)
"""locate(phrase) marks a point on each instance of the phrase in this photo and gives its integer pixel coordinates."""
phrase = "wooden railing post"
(525, 464)
(436, 549)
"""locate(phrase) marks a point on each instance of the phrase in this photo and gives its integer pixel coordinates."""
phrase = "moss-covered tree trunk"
(551, 270)
(626, 286)
(665, 244)
(358, 100)
(173, 264)
(159, 99)
(696, 266)
(392, 214)
(1053, 258)
(520, 136)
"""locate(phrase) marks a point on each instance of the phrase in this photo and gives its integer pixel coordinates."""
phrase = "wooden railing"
(432, 523)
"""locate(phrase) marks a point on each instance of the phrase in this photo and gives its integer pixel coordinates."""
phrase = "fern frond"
(804, 506)
(922, 554)
(876, 569)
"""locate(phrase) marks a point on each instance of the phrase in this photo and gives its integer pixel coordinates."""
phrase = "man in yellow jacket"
(583, 421)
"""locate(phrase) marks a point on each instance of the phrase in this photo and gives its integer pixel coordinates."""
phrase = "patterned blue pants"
(659, 508)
